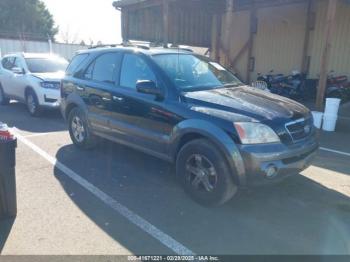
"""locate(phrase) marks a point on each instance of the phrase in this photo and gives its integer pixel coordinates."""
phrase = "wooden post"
(252, 31)
(216, 38)
(125, 25)
(309, 20)
(227, 32)
(165, 23)
(329, 28)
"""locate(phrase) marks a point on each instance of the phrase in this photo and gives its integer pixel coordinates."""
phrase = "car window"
(75, 63)
(103, 69)
(8, 62)
(89, 70)
(134, 68)
(18, 63)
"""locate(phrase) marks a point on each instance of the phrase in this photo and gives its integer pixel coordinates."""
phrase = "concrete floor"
(307, 214)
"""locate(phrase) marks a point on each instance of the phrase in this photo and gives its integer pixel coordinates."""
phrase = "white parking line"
(147, 227)
(335, 151)
(36, 135)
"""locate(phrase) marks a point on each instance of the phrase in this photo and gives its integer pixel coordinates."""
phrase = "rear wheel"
(79, 130)
(33, 104)
(3, 99)
(204, 173)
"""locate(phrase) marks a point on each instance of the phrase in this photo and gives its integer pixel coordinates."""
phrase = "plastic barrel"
(332, 106)
(8, 199)
(317, 119)
(329, 122)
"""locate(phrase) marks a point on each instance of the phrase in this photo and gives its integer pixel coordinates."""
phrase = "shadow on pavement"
(298, 216)
(5, 229)
(16, 115)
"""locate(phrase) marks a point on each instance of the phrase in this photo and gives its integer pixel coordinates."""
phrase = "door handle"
(118, 98)
(105, 99)
(81, 88)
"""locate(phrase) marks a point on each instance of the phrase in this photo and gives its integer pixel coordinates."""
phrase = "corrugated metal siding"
(188, 26)
(340, 52)
(278, 44)
(145, 24)
(12, 46)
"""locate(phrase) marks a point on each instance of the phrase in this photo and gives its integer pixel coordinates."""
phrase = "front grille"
(299, 129)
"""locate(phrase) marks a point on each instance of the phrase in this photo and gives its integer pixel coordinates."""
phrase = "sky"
(88, 20)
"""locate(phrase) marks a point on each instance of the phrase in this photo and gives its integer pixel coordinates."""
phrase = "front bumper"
(286, 160)
(49, 98)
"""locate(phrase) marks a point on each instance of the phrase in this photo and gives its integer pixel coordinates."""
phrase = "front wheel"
(79, 130)
(204, 173)
(33, 104)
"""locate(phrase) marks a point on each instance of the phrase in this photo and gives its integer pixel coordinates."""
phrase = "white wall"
(14, 46)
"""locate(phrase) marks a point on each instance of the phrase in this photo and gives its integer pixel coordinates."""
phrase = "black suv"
(188, 110)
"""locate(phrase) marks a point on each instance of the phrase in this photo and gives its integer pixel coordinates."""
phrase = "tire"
(212, 190)
(3, 99)
(32, 103)
(79, 130)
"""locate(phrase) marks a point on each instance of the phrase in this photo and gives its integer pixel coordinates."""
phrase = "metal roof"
(123, 3)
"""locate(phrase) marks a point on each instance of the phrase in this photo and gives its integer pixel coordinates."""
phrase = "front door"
(140, 119)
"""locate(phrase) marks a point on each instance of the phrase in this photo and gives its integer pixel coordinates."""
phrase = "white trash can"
(329, 122)
(318, 116)
(332, 106)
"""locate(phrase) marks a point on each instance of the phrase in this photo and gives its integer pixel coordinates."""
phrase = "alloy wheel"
(201, 173)
(78, 129)
(31, 104)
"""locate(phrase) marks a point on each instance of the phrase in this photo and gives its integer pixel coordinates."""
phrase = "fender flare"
(216, 135)
(74, 100)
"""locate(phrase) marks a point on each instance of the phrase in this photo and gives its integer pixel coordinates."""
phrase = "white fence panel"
(67, 51)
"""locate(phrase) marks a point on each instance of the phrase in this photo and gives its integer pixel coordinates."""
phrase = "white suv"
(33, 79)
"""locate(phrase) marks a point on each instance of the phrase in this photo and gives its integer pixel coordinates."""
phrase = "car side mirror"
(148, 87)
(18, 70)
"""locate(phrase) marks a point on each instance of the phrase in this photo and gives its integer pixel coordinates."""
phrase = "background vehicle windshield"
(46, 65)
(192, 72)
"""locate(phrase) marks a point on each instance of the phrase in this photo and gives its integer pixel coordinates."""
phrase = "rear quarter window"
(75, 63)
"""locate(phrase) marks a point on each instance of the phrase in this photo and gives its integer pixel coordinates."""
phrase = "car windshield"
(46, 65)
(193, 72)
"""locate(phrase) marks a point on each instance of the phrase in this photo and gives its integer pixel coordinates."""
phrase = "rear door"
(95, 88)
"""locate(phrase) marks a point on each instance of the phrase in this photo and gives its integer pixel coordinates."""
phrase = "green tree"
(28, 18)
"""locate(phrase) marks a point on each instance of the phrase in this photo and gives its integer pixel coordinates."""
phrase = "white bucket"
(329, 122)
(317, 119)
(332, 106)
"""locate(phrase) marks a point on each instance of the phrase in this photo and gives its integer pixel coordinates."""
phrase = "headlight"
(255, 133)
(50, 85)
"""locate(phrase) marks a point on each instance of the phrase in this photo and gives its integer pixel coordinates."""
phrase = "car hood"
(245, 104)
(55, 77)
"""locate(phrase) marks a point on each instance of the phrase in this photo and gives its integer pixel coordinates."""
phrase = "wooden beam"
(165, 23)
(215, 38)
(309, 21)
(327, 43)
(125, 25)
(252, 31)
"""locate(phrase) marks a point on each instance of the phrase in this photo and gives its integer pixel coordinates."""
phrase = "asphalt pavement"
(115, 200)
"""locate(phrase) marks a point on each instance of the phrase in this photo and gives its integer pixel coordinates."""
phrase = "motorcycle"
(338, 87)
(292, 86)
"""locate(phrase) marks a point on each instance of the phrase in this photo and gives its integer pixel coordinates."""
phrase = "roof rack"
(122, 45)
(180, 48)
